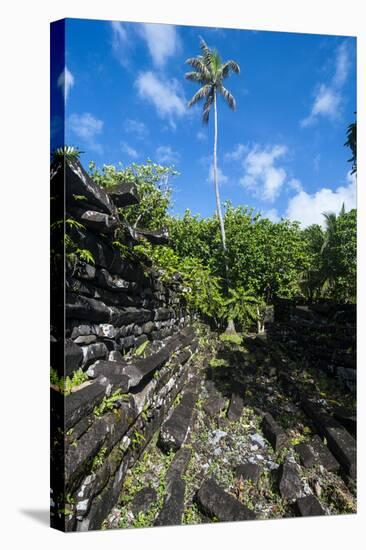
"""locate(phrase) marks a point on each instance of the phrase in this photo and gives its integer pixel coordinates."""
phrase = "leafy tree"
(210, 72)
(352, 144)
(154, 188)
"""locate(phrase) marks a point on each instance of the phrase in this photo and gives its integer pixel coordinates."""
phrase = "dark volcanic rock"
(143, 500)
(173, 508)
(174, 431)
(73, 357)
(273, 432)
(214, 404)
(79, 183)
(216, 503)
(124, 194)
(309, 506)
(339, 440)
(82, 402)
(248, 471)
(236, 407)
(323, 456)
(306, 454)
(347, 418)
(289, 481)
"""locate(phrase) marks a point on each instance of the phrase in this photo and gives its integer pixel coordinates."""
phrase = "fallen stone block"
(309, 506)
(174, 431)
(173, 508)
(143, 500)
(323, 456)
(273, 432)
(235, 408)
(307, 456)
(347, 418)
(217, 503)
(248, 471)
(124, 194)
(289, 481)
(339, 440)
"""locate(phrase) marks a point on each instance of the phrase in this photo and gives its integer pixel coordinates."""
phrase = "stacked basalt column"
(114, 303)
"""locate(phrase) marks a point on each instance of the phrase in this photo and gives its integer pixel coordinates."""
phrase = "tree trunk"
(230, 327)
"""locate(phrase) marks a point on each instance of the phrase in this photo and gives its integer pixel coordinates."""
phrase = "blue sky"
(281, 152)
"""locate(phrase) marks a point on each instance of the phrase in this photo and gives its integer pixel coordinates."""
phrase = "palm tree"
(210, 72)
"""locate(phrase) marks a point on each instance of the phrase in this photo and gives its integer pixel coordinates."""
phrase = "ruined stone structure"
(114, 303)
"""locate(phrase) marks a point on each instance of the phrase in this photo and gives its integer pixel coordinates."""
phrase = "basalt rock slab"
(79, 184)
(217, 503)
(306, 453)
(175, 430)
(248, 471)
(309, 506)
(88, 289)
(289, 481)
(273, 432)
(236, 407)
(73, 357)
(106, 256)
(96, 221)
(143, 500)
(347, 418)
(339, 440)
(124, 194)
(323, 456)
(173, 508)
(82, 402)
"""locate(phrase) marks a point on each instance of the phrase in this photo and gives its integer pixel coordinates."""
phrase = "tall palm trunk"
(216, 183)
(230, 326)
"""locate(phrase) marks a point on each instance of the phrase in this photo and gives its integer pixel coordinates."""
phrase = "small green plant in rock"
(66, 385)
(99, 459)
(109, 403)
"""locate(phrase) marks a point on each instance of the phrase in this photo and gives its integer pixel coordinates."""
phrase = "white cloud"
(162, 41)
(328, 97)
(342, 65)
(166, 95)
(165, 153)
(221, 178)
(65, 82)
(295, 184)
(308, 208)
(272, 214)
(201, 135)
(261, 175)
(136, 127)
(87, 128)
(238, 153)
(326, 103)
(130, 151)
(120, 42)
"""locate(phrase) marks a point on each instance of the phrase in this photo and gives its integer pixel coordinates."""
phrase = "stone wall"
(125, 328)
(321, 335)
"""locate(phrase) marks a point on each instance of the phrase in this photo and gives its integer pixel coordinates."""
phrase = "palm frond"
(199, 95)
(207, 107)
(195, 76)
(229, 66)
(229, 98)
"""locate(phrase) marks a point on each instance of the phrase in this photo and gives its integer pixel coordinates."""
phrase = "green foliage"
(242, 307)
(65, 385)
(153, 183)
(99, 458)
(231, 338)
(351, 142)
(109, 403)
(141, 348)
